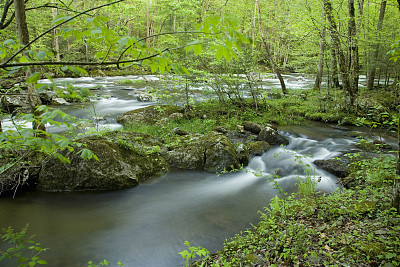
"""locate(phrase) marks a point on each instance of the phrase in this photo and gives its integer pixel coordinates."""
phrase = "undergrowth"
(350, 227)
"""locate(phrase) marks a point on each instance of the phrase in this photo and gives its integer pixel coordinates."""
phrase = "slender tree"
(371, 74)
(55, 40)
(353, 53)
(396, 186)
(268, 53)
(344, 71)
(335, 71)
(322, 45)
(23, 34)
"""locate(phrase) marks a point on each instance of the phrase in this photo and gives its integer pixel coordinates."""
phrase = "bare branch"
(78, 63)
(160, 34)
(81, 63)
(4, 24)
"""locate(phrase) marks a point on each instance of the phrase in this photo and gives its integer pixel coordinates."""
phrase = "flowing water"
(147, 225)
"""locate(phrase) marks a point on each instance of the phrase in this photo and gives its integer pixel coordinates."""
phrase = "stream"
(147, 225)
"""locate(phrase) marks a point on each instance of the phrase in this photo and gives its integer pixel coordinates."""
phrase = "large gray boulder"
(213, 152)
(338, 167)
(252, 127)
(272, 136)
(12, 103)
(186, 157)
(119, 166)
(145, 97)
(47, 96)
(59, 101)
(243, 153)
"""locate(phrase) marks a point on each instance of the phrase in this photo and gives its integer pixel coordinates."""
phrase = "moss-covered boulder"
(213, 152)
(119, 166)
(270, 135)
(220, 153)
(338, 167)
(150, 114)
(258, 148)
(252, 127)
(187, 157)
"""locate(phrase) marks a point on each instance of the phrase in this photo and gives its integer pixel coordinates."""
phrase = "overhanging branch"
(82, 63)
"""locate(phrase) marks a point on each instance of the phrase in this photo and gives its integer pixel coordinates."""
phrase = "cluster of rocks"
(127, 159)
(18, 101)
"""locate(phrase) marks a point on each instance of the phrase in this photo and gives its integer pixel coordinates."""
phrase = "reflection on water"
(142, 226)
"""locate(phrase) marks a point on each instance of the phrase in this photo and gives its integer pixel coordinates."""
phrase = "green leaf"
(33, 78)
(197, 49)
(220, 53)
(227, 55)
(153, 67)
(67, 32)
(62, 158)
(49, 77)
(78, 34)
(185, 254)
(42, 262)
(41, 55)
(42, 108)
(10, 42)
(88, 154)
(213, 20)
(2, 54)
(102, 19)
(59, 20)
(97, 31)
(123, 41)
(78, 70)
(99, 54)
(24, 59)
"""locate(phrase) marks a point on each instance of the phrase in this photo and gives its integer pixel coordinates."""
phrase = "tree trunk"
(253, 34)
(344, 71)
(23, 34)
(372, 71)
(54, 12)
(318, 79)
(268, 53)
(396, 185)
(335, 75)
(148, 23)
(353, 53)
